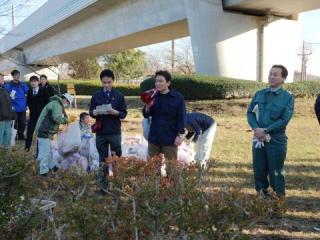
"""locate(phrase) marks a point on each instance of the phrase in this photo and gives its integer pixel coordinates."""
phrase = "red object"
(148, 96)
(96, 127)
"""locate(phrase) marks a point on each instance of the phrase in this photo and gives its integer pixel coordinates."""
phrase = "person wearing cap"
(52, 115)
(37, 98)
(268, 115)
(201, 130)
(18, 91)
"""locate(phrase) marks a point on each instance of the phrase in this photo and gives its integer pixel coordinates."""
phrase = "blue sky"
(309, 21)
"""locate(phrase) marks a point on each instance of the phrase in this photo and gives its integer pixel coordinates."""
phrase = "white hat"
(68, 97)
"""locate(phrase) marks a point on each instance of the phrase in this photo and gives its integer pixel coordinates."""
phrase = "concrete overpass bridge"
(233, 38)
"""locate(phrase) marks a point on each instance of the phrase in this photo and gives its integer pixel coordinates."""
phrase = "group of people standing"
(268, 115)
(17, 97)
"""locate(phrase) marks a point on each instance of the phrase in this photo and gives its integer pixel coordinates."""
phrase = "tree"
(126, 64)
(85, 69)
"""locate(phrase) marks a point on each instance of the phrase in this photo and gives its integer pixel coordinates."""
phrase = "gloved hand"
(258, 144)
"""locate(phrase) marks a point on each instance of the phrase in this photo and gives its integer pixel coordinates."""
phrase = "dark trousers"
(103, 142)
(268, 165)
(30, 130)
(20, 123)
(170, 154)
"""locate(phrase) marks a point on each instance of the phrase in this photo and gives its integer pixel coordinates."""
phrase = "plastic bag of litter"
(134, 146)
(69, 140)
(186, 153)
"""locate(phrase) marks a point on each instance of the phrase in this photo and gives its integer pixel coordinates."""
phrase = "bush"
(89, 87)
(200, 87)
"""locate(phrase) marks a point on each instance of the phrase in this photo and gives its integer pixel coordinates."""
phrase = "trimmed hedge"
(89, 87)
(200, 87)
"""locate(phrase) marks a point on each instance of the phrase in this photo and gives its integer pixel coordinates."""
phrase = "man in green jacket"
(268, 115)
(47, 125)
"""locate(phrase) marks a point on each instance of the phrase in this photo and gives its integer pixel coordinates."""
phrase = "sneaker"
(317, 228)
(263, 193)
(55, 169)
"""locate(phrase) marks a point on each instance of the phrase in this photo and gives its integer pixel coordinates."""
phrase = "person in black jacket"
(44, 83)
(317, 108)
(108, 106)
(37, 98)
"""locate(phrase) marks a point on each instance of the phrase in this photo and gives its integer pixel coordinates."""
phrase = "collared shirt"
(168, 118)
(35, 90)
(111, 125)
(275, 109)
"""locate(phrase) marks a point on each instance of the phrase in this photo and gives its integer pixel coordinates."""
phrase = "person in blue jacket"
(201, 130)
(18, 91)
(168, 120)
(108, 106)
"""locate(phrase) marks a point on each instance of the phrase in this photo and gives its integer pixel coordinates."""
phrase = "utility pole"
(306, 51)
(173, 56)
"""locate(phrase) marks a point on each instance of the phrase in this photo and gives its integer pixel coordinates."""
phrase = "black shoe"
(44, 175)
(27, 149)
(55, 169)
(102, 192)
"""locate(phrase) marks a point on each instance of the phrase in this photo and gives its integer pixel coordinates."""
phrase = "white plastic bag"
(69, 140)
(13, 135)
(146, 123)
(186, 153)
(134, 146)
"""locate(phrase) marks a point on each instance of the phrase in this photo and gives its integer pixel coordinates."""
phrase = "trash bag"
(13, 135)
(69, 140)
(134, 146)
(146, 123)
(186, 153)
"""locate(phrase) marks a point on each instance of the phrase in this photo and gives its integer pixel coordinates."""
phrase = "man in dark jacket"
(18, 91)
(168, 120)
(108, 106)
(317, 108)
(44, 83)
(201, 129)
(6, 117)
(37, 98)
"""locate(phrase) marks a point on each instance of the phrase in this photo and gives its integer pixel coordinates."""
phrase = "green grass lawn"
(233, 164)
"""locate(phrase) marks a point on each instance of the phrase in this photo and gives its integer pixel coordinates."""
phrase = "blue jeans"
(45, 155)
(5, 133)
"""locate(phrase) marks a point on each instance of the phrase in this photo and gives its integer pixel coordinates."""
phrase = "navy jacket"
(197, 123)
(37, 102)
(317, 108)
(19, 103)
(168, 118)
(111, 125)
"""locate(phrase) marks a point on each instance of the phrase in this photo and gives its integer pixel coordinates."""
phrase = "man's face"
(16, 77)
(161, 84)
(34, 84)
(43, 81)
(107, 82)
(1, 80)
(275, 77)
